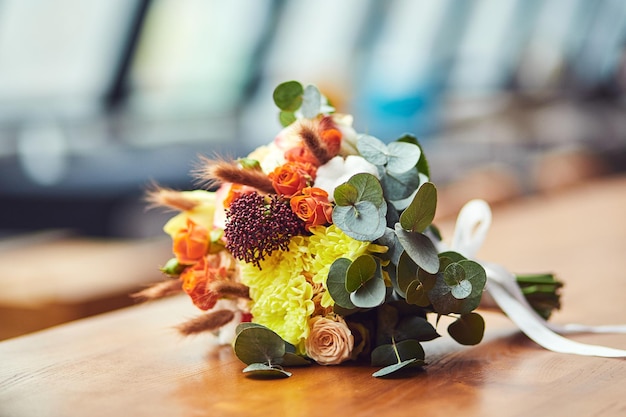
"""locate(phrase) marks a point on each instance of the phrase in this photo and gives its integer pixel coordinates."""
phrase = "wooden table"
(53, 277)
(132, 362)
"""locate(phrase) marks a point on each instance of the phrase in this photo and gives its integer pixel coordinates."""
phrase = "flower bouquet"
(320, 247)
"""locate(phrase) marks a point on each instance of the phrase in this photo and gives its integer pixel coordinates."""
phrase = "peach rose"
(330, 340)
(313, 207)
(289, 179)
(190, 243)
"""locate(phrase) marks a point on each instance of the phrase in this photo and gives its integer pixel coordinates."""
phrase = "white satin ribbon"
(471, 229)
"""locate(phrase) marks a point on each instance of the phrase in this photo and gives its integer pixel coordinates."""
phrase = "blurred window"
(195, 56)
(59, 56)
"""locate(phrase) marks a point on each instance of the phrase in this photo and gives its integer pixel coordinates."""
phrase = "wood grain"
(132, 362)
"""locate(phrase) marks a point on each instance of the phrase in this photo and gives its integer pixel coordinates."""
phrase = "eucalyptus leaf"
(390, 240)
(421, 212)
(453, 274)
(256, 344)
(461, 290)
(397, 187)
(420, 248)
(264, 371)
(406, 272)
(361, 270)
(363, 221)
(311, 102)
(452, 256)
(288, 95)
(402, 157)
(368, 187)
(417, 328)
(387, 318)
(336, 283)
(371, 294)
(475, 274)
(286, 118)
(291, 359)
(246, 325)
(389, 354)
(372, 149)
(417, 294)
(391, 369)
(422, 164)
(468, 329)
(445, 302)
(346, 194)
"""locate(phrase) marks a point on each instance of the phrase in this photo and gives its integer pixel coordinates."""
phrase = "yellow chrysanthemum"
(282, 297)
(326, 245)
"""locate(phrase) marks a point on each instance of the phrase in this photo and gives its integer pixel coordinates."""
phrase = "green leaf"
(468, 329)
(371, 294)
(398, 187)
(462, 290)
(475, 274)
(389, 354)
(406, 272)
(402, 157)
(346, 194)
(247, 324)
(390, 240)
(311, 102)
(388, 370)
(286, 118)
(420, 248)
(264, 371)
(421, 212)
(361, 270)
(257, 344)
(173, 267)
(453, 256)
(249, 163)
(416, 328)
(368, 188)
(291, 359)
(363, 221)
(417, 294)
(445, 302)
(372, 149)
(288, 95)
(336, 283)
(422, 164)
(453, 274)
(386, 320)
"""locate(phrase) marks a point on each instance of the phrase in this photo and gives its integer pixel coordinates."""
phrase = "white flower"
(339, 170)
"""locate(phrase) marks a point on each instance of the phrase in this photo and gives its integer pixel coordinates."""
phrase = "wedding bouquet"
(320, 247)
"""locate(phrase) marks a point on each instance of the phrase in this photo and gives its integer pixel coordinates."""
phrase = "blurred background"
(100, 99)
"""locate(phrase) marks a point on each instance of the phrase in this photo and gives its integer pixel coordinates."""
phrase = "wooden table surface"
(131, 362)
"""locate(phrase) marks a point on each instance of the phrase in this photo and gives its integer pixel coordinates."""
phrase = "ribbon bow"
(470, 231)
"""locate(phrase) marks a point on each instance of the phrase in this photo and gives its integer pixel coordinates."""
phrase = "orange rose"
(332, 140)
(190, 243)
(313, 207)
(301, 154)
(234, 192)
(196, 278)
(290, 178)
